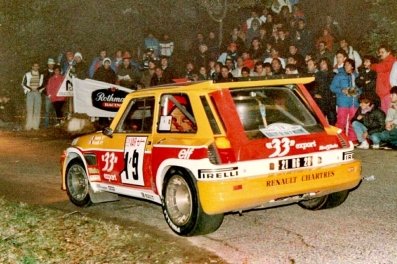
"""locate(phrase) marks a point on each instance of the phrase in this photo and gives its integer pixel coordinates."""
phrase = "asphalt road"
(361, 230)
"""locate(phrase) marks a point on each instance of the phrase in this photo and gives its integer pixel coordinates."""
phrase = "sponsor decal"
(96, 140)
(281, 146)
(109, 159)
(185, 153)
(328, 147)
(305, 145)
(304, 178)
(94, 178)
(101, 187)
(347, 155)
(282, 181)
(93, 171)
(109, 177)
(277, 130)
(108, 99)
(318, 175)
(147, 196)
(218, 173)
(111, 188)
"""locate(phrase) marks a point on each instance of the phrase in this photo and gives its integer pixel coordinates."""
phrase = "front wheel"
(182, 209)
(77, 185)
(325, 202)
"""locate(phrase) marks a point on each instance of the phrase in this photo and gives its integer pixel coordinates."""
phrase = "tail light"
(221, 152)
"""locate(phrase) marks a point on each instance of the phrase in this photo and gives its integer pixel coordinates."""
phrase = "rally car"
(203, 149)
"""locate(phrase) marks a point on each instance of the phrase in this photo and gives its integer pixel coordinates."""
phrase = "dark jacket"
(80, 70)
(105, 75)
(373, 120)
(367, 82)
(321, 87)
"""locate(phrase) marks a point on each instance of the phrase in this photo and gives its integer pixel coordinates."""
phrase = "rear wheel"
(182, 209)
(325, 202)
(77, 185)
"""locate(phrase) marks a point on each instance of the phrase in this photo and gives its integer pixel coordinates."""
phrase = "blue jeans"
(386, 136)
(359, 129)
(33, 109)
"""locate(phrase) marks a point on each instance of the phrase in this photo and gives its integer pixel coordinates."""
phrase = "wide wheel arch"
(181, 205)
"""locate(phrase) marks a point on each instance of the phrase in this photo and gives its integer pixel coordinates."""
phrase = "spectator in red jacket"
(383, 69)
(54, 83)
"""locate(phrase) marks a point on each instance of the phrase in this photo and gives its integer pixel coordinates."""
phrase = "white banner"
(97, 99)
(66, 88)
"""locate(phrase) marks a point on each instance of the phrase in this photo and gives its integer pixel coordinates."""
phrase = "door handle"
(161, 140)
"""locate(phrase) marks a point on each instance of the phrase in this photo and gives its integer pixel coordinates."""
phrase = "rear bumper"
(250, 192)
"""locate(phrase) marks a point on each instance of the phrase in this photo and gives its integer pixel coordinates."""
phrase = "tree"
(382, 15)
(217, 11)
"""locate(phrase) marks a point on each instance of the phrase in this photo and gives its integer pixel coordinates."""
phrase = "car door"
(126, 160)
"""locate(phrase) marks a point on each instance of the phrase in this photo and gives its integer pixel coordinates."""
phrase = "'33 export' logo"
(281, 146)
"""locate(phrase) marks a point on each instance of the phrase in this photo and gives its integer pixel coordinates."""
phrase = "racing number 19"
(133, 160)
(134, 164)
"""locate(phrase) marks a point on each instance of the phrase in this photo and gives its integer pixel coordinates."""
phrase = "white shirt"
(393, 75)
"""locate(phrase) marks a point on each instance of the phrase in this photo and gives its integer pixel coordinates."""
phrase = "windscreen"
(273, 112)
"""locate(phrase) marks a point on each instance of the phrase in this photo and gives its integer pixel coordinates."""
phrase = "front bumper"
(250, 192)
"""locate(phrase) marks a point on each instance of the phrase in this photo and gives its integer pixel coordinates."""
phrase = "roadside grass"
(32, 234)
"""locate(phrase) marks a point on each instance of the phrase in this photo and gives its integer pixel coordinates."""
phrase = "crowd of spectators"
(271, 42)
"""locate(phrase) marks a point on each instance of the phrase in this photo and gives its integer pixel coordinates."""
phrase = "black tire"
(77, 184)
(325, 202)
(182, 209)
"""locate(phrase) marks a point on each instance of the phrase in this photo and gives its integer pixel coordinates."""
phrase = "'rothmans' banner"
(66, 88)
(97, 99)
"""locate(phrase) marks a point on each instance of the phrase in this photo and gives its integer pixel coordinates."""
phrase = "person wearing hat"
(105, 73)
(230, 52)
(80, 68)
(48, 73)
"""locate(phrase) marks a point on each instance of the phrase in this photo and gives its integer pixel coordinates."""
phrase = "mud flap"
(102, 197)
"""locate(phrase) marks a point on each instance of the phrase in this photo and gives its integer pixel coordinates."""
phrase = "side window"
(176, 114)
(139, 116)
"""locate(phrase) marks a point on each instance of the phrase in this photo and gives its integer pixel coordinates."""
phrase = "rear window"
(273, 112)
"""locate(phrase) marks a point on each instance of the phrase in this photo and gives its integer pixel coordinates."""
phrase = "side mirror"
(107, 131)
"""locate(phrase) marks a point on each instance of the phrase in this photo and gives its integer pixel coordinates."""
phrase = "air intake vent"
(213, 154)
(343, 141)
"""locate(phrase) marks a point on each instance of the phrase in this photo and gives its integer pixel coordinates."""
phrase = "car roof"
(210, 85)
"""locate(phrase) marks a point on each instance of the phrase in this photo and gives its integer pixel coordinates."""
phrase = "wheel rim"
(178, 200)
(77, 182)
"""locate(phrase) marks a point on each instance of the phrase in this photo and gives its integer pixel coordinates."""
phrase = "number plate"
(295, 163)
